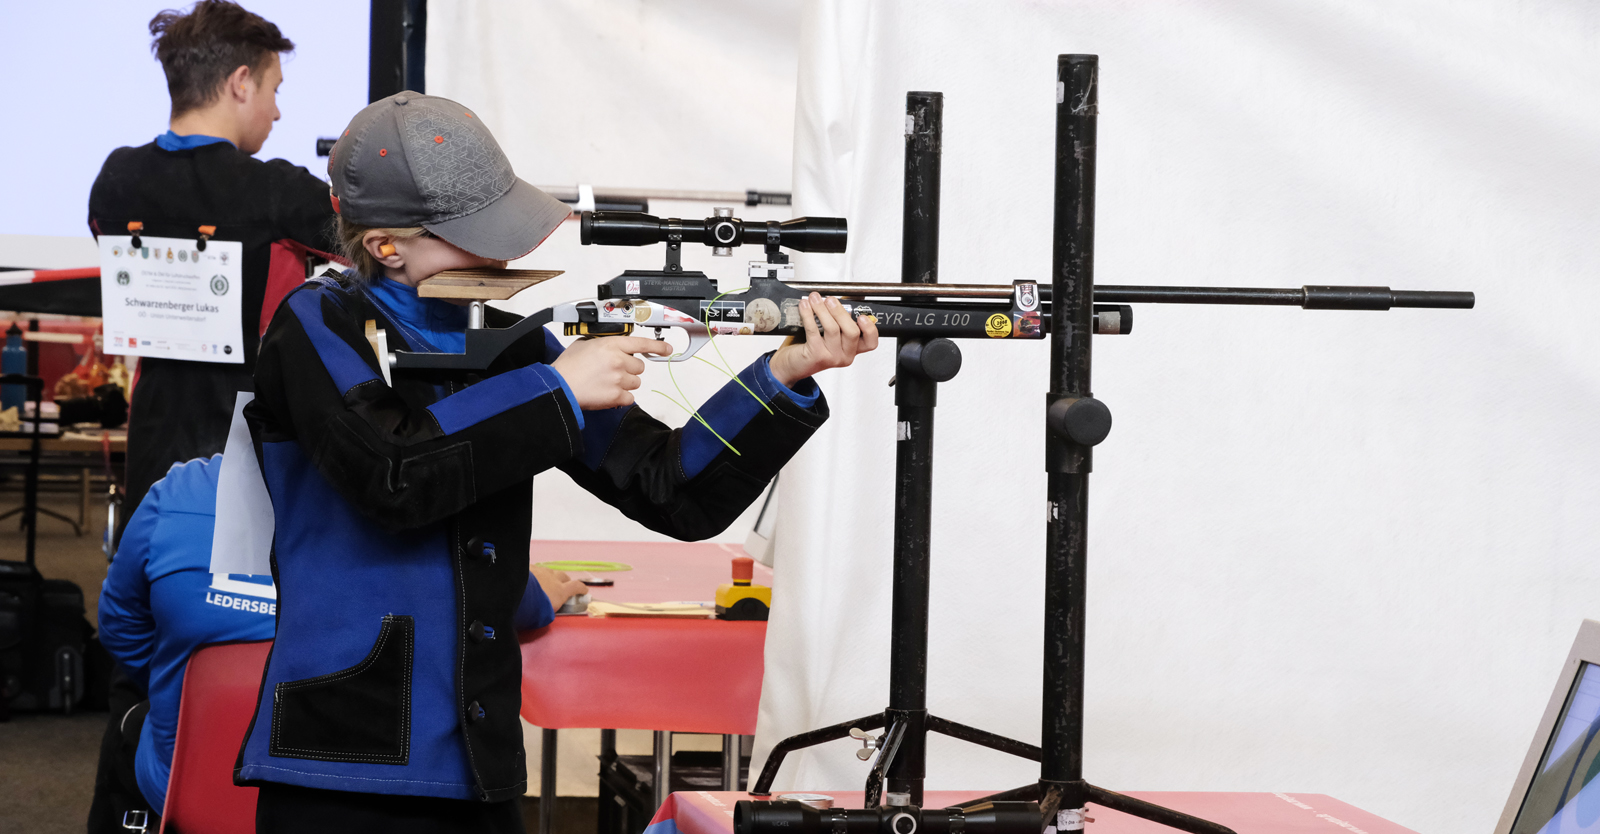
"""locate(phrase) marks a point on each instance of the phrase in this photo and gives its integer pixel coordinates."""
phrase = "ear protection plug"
(386, 250)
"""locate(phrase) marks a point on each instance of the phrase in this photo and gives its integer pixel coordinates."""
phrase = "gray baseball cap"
(417, 160)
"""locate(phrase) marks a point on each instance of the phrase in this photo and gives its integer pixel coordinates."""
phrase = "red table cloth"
(687, 676)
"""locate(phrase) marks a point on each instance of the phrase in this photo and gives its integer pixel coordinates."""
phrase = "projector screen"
(93, 86)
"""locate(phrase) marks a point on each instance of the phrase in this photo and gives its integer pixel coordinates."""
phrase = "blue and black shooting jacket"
(403, 520)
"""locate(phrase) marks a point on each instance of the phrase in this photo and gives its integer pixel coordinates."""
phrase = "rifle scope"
(789, 817)
(631, 228)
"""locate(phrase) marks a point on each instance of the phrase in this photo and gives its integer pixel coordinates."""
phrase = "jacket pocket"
(361, 714)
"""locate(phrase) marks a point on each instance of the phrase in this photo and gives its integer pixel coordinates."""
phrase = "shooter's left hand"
(835, 345)
(557, 585)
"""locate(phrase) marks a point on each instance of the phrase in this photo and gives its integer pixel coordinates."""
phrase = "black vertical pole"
(1068, 462)
(915, 397)
(414, 32)
(396, 47)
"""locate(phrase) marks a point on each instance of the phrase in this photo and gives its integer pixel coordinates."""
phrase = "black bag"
(44, 637)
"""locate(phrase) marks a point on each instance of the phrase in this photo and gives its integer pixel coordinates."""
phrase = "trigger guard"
(696, 342)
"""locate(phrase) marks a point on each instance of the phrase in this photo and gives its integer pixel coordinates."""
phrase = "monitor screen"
(1565, 796)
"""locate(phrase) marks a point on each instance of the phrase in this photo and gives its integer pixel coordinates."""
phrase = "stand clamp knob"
(868, 741)
(1083, 420)
(936, 360)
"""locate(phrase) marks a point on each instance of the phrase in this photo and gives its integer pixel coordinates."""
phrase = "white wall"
(629, 94)
(1339, 553)
(81, 82)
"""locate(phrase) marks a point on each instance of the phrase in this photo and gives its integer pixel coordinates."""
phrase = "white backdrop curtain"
(1330, 552)
(694, 95)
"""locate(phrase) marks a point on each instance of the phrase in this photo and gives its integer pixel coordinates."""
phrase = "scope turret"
(631, 228)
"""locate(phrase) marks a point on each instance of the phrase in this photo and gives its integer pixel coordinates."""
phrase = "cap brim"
(507, 228)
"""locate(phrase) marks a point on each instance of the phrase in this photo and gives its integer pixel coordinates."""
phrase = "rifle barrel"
(1309, 297)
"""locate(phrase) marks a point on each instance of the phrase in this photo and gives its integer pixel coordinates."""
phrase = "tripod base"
(1054, 797)
(982, 738)
(980, 816)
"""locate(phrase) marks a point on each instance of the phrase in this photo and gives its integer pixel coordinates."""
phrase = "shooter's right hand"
(603, 372)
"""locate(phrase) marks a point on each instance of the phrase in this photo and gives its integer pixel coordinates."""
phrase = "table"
(711, 812)
(80, 442)
(687, 676)
(81, 450)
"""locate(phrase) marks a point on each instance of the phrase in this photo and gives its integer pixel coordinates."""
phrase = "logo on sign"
(219, 285)
(123, 277)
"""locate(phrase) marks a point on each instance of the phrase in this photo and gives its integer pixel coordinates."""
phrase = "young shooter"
(391, 698)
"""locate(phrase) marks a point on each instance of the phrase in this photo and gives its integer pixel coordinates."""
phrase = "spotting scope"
(631, 228)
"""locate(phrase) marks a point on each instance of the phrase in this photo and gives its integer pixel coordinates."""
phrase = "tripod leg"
(887, 749)
(1026, 793)
(1154, 812)
(769, 771)
(983, 738)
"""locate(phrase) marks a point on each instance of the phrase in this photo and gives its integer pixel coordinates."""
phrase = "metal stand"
(663, 762)
(547, 781)
(1076, 422)
(30, 508)
(921, 364)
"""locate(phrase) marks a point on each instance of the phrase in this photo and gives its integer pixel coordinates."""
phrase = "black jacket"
(278, 211)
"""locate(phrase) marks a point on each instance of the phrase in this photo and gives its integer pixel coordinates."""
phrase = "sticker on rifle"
(641, 313)
(1028, 326)
(791, 312)
(722, 311)
(631, 287)
(762, 314)
(998, 326)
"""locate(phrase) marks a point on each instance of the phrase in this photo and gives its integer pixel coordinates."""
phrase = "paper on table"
(669, 610)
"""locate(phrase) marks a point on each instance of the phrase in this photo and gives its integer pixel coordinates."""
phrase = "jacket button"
(480, 549)
(475, 713)
(480, 632)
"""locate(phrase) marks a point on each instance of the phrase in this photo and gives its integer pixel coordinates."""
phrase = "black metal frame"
(30, 484)
(397, 48)
(1075, 423)
(921, 364)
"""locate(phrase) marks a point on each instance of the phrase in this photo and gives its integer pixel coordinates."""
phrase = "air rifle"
(688, 300)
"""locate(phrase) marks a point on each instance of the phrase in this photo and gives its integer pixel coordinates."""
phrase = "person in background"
(223, 71)
(160, 602)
